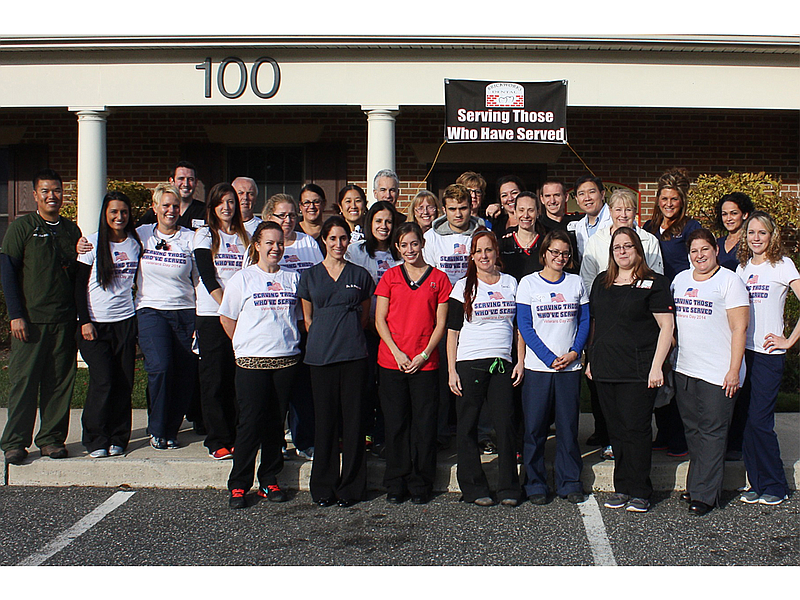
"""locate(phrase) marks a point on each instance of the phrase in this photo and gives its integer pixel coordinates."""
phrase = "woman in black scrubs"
(336, 297)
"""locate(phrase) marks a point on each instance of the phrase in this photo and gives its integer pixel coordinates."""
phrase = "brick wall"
(629, 146)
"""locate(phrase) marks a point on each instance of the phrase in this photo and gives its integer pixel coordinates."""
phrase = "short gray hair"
(250, 179)
(385, 173)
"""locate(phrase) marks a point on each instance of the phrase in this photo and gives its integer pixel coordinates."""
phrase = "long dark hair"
(215, 196)
(370, 241)
(640, 271)
(471, 284)
(105, 264)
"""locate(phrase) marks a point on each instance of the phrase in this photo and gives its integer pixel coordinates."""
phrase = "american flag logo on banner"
(233, 248)
(557, 297)
(121, 256)
(496, 296)
(691, 293)
(274, 286)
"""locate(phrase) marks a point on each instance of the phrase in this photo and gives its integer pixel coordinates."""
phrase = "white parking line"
(596, 533)
(77, 530)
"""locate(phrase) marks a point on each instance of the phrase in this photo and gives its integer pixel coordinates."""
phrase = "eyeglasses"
(284, 216)
(557, 253)
(478, 192)
(310, 203)
(626, 247)
(425, 209)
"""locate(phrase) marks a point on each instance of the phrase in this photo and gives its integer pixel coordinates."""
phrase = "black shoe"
(596, 440)
(16, 456)
(325, 502)
(488, 447)
(273, 493)
(538, 499)
(200, 428)
(686, 497)
(395, 498)
(576, 497)
(420, 499)
(347, 503)
(699, 508)
(55, 451)
(237, 499)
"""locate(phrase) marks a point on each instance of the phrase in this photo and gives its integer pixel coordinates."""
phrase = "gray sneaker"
(99, 453)
(616, 500)
(749, 497)
(637, 505)
(116, 451)
(771, 500)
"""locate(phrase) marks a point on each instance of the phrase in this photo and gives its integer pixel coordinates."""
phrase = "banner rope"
(435, 158)
(580, 159)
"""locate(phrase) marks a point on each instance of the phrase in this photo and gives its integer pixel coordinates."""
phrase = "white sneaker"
(116, 451)
(307, 454)
(99, 453)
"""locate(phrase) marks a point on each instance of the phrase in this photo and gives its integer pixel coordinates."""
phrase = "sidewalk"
(191, 467)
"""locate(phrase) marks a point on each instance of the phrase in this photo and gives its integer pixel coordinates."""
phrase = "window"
(275, 169)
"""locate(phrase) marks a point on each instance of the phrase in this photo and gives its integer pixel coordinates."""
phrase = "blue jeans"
(165, 337)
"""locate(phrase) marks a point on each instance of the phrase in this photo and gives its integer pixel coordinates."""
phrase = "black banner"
(485, 111)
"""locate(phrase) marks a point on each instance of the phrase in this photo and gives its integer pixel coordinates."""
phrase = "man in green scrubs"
(38, 264)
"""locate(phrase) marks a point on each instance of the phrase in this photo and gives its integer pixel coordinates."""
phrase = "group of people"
(375, 329)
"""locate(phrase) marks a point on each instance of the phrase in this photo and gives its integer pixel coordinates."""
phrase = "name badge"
(644, 284)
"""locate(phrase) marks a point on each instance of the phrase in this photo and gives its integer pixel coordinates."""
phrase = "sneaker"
(509, 502)
(158, 443)
(677, 453)
(485, 501)
(637, 505)
(116, 451)
(771, 500)
(307, 454)
(538, 499)
(576, 497)
(288, 453)
(608, 453)
(616, 500)
(99, 453)
(237, 499)
(221, 454)
(750, 497)
(488, 447)
(273, 493)
(173, 444)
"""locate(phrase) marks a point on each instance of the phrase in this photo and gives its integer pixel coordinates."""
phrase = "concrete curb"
(191, 468)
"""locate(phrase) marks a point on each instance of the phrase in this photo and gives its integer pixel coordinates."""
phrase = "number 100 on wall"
(232, 77)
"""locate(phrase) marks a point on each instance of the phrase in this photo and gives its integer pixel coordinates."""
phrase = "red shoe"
(221, 454)
(237, 499)
(273, 493)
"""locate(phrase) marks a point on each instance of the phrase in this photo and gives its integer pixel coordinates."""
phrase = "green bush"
(141, 197)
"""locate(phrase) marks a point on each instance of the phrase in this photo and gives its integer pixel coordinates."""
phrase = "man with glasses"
(38, 265)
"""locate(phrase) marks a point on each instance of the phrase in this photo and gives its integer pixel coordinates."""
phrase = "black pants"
(479, 384)
(217, 383)
(410, 408)
(260, 393)
(628, 408)
(338, 391)
(110, 356)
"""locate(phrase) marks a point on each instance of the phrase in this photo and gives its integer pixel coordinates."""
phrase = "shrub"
(141, 197)
(764, 190)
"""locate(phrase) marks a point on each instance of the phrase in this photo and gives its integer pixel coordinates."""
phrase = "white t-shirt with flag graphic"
(302, 254)
(167, 272)
(227, 261)
(448, 253)
(767, 285)
(704, 336)
(490, 333)
(265, 308)
(114, 303)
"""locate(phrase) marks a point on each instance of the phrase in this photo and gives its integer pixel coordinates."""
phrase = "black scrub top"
(335, 334)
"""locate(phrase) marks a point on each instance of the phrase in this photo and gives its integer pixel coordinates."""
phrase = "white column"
(380, 142)
(91, 165)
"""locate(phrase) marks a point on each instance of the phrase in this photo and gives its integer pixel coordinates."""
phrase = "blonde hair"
(274, 200)
(775, 251)
(622, 196)
(165, 188)
(423, 195)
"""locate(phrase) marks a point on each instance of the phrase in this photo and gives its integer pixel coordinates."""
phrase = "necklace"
(162, 243)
